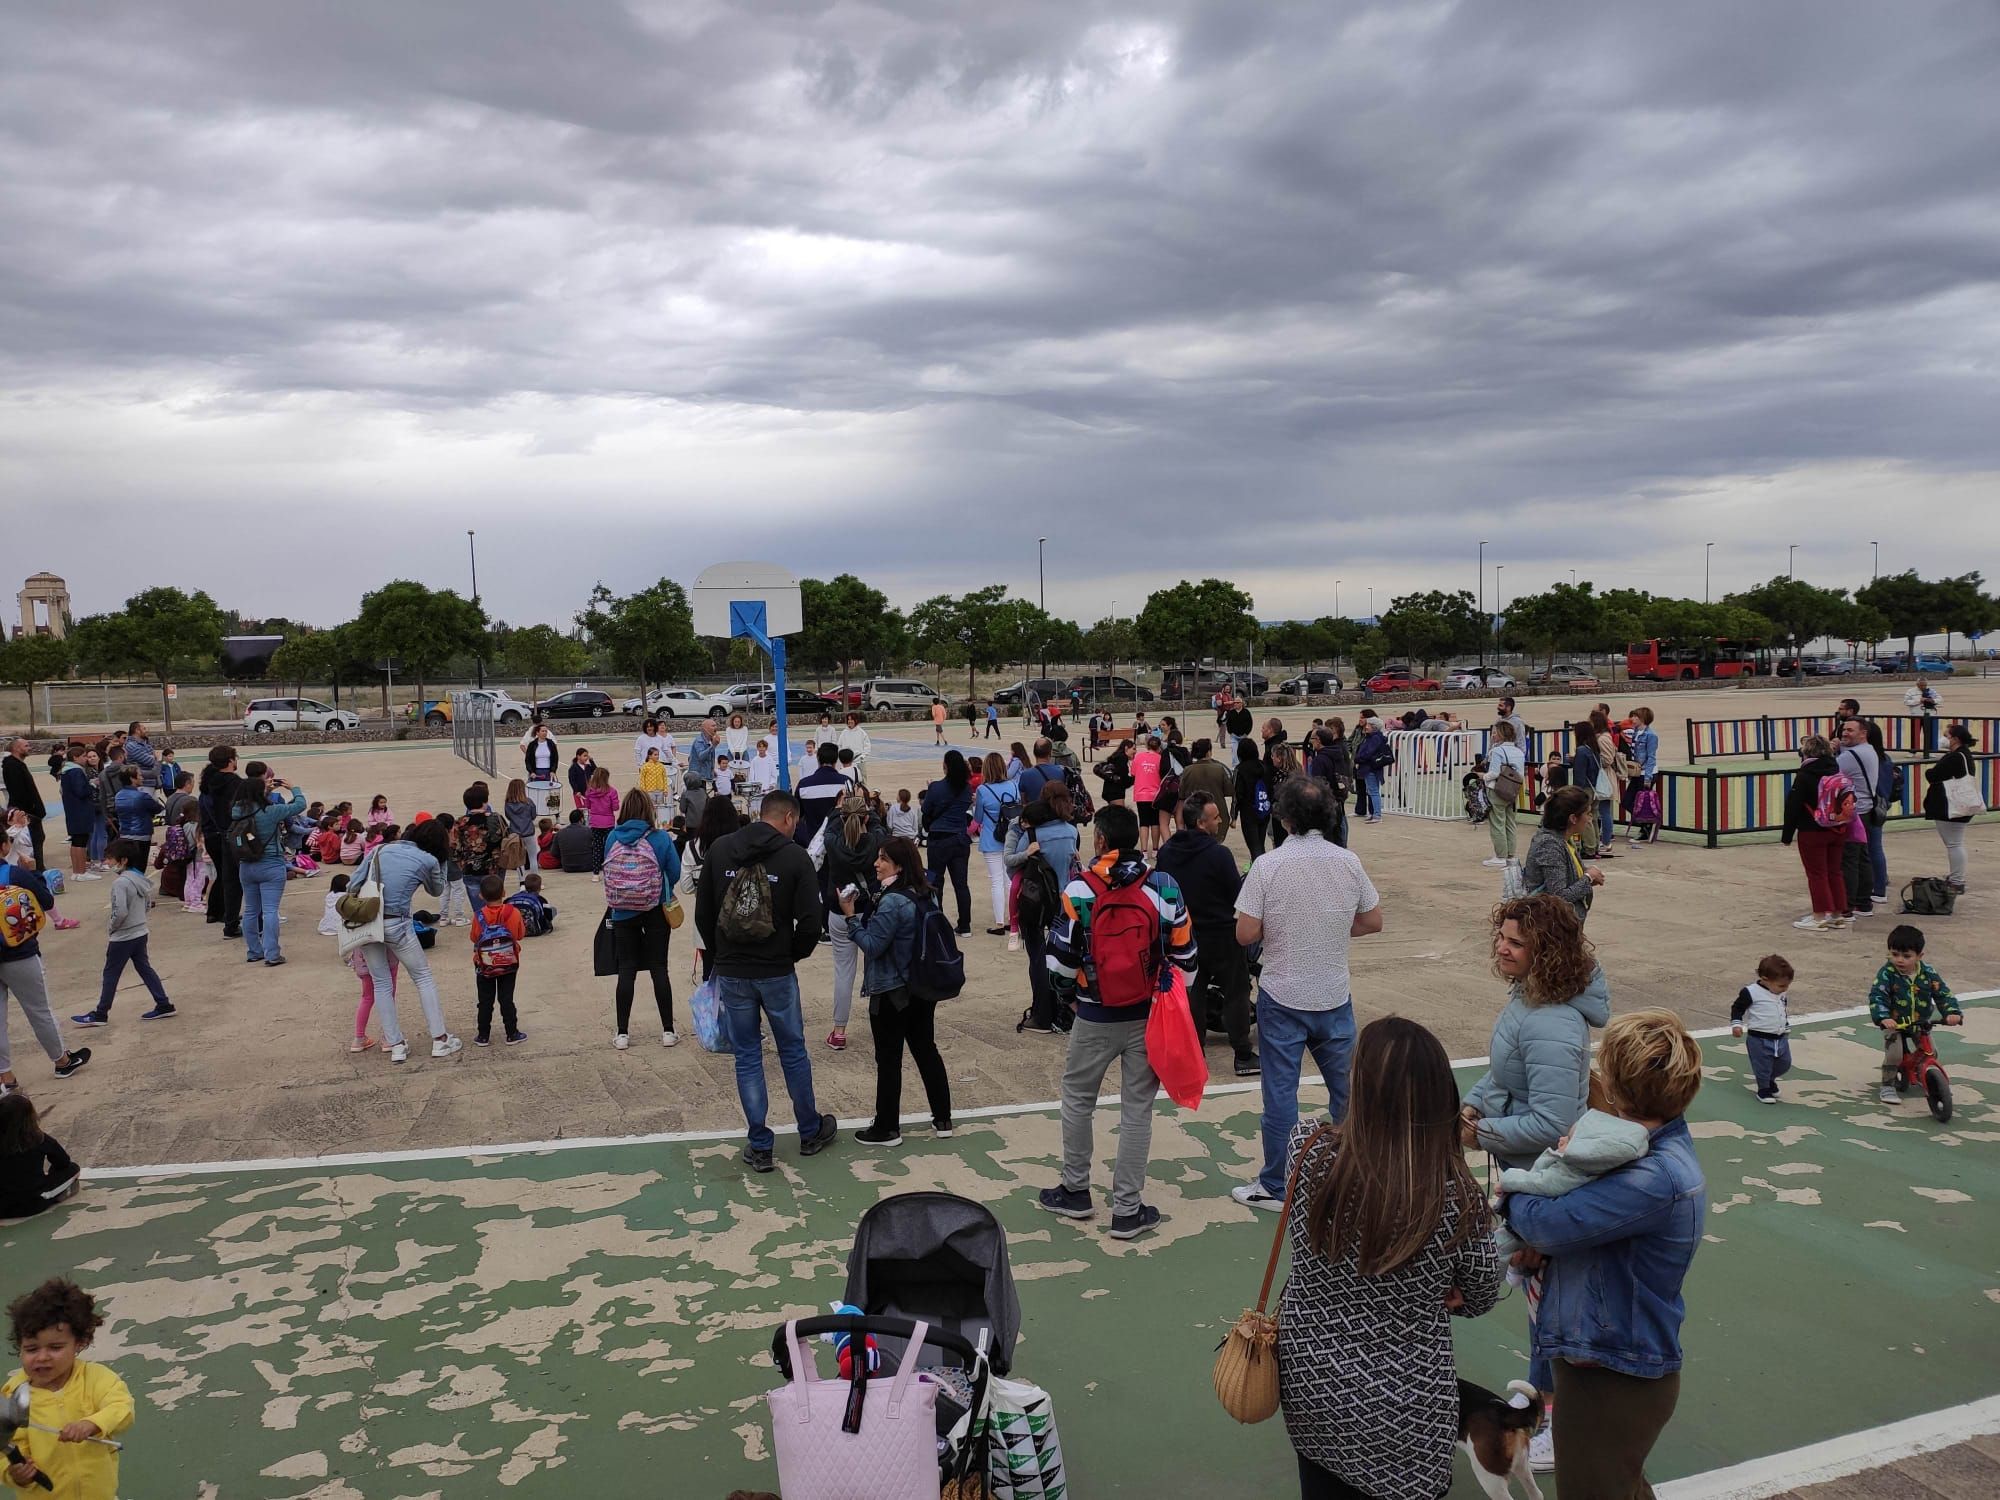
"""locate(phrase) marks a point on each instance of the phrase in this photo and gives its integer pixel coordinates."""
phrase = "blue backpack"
(937, 968)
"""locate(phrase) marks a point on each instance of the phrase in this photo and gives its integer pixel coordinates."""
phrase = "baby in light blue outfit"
(1598, 1143)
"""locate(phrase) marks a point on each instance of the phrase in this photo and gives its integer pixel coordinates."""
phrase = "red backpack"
(1124, 942)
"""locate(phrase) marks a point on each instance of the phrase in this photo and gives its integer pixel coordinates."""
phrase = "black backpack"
(937, 968)
(245, 842)
(1929, 896)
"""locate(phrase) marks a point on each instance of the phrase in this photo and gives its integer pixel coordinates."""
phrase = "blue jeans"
(1371, 786)
(1284, 1036)
(1604, 821)
(263, 888)
(1770, 1060)
(1878, 860)
(744, 1003)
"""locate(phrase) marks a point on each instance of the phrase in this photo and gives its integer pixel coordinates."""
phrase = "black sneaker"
(515, 1038)
(158, 1013)
(942, 1129)
(232, 934)
(1131, 1226)
(90, 1018)
(1247, 1066)
(879, 1135)
(758, 1161)
(78, 1056)
(272, 963)
(829, 1129)
(482, 1041)
(1070, 1204)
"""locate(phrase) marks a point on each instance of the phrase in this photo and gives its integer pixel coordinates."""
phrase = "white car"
(679, 703)
(507, 709)
(272, 715)
(1475, 678)
(881, 693)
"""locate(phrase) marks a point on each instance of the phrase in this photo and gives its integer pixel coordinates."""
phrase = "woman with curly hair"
(1538, 1078)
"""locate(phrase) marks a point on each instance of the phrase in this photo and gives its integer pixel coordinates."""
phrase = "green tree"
(1371, 649)
(1341, 634)
(1967, 607)
(1302, 641)
(648, 635)
(422, 627)
(1193, 621)
(963, 631)
(1108, 643)
(1798, 611)
(845, 621)
(33, 659)
(1564, 618)
(538, 651)
(314, 657)
(1912, 606)
(1431, 626)
(160, 630)
(1028, 634)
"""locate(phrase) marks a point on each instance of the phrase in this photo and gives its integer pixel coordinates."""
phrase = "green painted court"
(558, 1321)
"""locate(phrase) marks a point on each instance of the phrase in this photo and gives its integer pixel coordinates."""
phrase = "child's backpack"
(1929, 896)
(1124, 941)
(746, 906)
(245, 842)
(494, 949)
(1082, 809)
(1010, 809)
(937, 968)
(1262, 800)
(177, 847)
(21, 915)
(1835, 807)
(632, 877)
(534, 912)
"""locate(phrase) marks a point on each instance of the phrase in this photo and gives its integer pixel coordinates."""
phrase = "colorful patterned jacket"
(1907, 999)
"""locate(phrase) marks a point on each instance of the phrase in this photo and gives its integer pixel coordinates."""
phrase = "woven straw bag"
(1246, 1363)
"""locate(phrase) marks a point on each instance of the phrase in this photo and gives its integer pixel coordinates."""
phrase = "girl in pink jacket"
(600, 807)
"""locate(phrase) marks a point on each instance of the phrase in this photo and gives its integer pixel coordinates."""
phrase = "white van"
(271, 715)
(880, 693)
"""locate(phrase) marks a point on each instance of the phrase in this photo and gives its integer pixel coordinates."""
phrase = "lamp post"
(1336, 598)
(1875, 568)
(1791, 560)
(1707, 551)
(472, 547)
(1499, 594)
(1042, 594)
(1371, 602)
(1572, 577)
(1486, 624)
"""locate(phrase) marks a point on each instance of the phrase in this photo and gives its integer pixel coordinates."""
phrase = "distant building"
(52, 594)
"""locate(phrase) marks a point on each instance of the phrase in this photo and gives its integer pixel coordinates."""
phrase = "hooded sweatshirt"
(796, 912)
(1069, 939)
(1208, 878)
(631, 831)
(131, 895)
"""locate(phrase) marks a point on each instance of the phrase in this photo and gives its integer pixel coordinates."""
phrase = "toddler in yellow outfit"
(51, 1327)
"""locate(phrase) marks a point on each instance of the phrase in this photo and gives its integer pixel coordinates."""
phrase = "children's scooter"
(1921, 1069)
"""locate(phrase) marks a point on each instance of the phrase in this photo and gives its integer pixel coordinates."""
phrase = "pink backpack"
(632, 877)
(1835, 808)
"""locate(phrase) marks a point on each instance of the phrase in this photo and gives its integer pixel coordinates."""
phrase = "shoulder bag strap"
(1285, 1214)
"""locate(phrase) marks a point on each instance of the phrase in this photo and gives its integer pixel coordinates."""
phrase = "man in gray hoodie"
(131, 900)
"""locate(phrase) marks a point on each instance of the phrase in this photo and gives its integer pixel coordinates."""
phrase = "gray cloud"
(1281, 291)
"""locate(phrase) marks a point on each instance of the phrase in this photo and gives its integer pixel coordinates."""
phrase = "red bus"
(1656, 662)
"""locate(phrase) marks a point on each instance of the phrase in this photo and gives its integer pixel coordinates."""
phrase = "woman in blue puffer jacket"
(887, 937)
(1537, 1079)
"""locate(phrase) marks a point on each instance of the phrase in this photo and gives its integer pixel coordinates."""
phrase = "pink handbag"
(893, 1457)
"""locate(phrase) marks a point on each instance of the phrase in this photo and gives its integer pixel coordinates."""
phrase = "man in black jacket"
(1236, 722)
(1333, 763)
(753, 948)
(1206, 872)
(22, 793)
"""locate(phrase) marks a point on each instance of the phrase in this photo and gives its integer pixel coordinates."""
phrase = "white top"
(725, 779)
(1307, 894)
(737, 740)
(762, 771)
(903, 821)
(853, 738)
(1914, 698)
(1499, 754)
(664, 743)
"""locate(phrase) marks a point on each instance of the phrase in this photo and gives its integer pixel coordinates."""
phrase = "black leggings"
(948, 856)
(914, 1026)
(1316, 1483)
(641, 943)
(225, 890)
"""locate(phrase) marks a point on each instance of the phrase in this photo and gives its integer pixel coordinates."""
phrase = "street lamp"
(1042, 586)
(1707, 551)
(1875, 569)
(1336, 598)
(1791, 560)
(1488, 629)
(1499, 594)
(1371, 601)
(1572, 577)
(478, 662)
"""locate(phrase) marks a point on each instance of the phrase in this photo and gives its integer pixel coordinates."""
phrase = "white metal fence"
(1430, 765)
(472, 734)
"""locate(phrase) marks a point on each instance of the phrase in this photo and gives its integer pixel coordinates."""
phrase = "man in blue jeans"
(752, 941)
(1303, 901)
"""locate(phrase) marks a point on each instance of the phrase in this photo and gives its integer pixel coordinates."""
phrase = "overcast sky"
(291, 296)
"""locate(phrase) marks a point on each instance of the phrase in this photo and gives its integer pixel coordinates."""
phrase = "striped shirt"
(1069, 938)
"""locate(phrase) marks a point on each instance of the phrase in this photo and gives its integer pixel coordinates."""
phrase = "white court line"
(1837, 1458)
(685, 1137)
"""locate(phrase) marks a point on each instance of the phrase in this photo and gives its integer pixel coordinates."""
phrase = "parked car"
(1094, 689)
(577, 703)
(271, 715)
(1930, 666)
(1249, 684)
(1827, 666)
(678, 703)
(1558, 672)
(1192, 682)
(882, 694)
(838, 701)
(1476, 678)
(1400, 682)
(1044, 688)
(798, 701)
(507, 709)
(1310, 682)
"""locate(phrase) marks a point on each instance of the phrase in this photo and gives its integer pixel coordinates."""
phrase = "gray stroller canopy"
(941, 1258)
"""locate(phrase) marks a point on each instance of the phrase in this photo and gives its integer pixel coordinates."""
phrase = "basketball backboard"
(746, 598)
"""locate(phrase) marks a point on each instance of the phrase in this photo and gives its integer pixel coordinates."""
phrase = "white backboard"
(746, 583)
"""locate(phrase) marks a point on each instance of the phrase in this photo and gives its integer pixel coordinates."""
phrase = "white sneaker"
(400, 1052)
(1810, 923)
(1495, 863)
(669, 1039)
(1013, 942)
(446, 1046)
(621, 1041)
(86, 875)
(1542, 1449)
(1252, 1195)
(1889, 1094)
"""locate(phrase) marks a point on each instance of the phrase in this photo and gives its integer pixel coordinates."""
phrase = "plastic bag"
(1173, 1046)
(706, 1008)
(1513, 881)
(1024, 1453)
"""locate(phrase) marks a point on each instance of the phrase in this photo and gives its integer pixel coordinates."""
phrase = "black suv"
(1310, 682)
(1192, 682)
(1100, 689)
(578, 703)
(1044, 688)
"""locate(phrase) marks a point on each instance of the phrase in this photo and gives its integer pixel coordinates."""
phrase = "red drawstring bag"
(1173, 1046)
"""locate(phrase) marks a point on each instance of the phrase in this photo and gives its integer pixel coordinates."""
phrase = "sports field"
(536, 1321)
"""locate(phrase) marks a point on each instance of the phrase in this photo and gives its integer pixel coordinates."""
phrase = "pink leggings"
(367, 1005)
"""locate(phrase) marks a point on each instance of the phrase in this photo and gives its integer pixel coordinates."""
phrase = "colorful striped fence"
(1711, 803)
(1719, 739)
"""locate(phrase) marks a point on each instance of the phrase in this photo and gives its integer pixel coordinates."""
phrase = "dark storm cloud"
(1286, 278)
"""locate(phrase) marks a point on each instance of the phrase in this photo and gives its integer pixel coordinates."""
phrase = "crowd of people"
(1112, 902)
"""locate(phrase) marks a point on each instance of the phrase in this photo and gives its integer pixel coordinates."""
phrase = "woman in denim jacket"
(887, 938)
(1618, 1249)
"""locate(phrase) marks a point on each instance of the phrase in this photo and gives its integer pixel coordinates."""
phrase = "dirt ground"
(257, 1065)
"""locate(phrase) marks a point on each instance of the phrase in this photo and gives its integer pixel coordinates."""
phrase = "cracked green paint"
(534, 1325)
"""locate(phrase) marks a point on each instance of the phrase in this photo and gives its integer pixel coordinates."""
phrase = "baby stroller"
(941, 1260)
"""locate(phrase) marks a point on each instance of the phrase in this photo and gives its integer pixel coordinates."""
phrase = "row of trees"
(648, 636)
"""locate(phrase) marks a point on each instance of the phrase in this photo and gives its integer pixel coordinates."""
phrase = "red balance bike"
(1922, 1070)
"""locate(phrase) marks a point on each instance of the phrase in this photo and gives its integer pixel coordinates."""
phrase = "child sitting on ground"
(50, 1328)
(325, 842)
(379, 815)
(329, 918)
(545, 845)
(35, 1171)
(902, 819)
(1905, 993)
(537, 916)
(1762, 1010)
(379, 834)
(353, 843)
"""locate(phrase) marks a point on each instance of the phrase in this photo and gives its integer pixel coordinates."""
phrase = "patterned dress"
(1366, 1375)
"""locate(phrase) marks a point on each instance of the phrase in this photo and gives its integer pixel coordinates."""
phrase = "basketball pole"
(749, 617)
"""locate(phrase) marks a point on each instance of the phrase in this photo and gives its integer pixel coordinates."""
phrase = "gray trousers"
(1953, 837)
(28, 983)
(844, 959)
(1093, 1047)
(416, 964)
